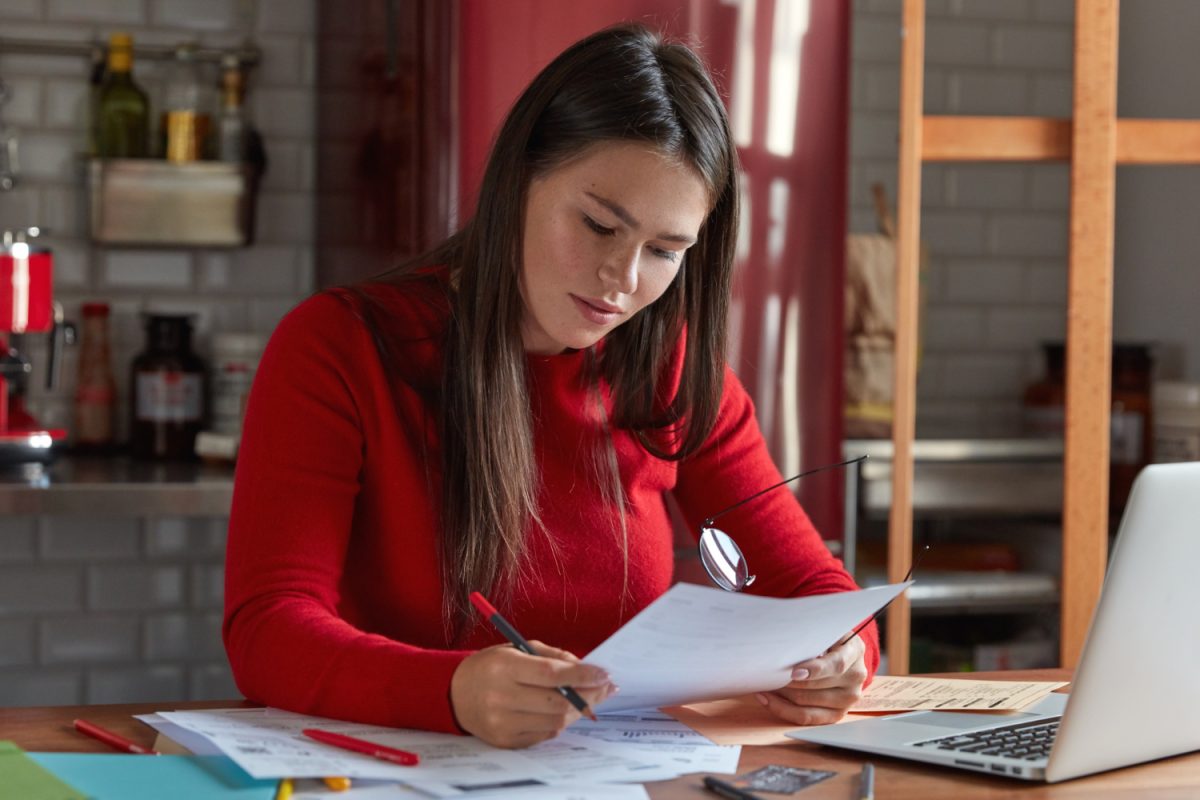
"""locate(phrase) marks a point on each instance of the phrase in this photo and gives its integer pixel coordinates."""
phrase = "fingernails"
(599, 676)
(799, 674)
(612, 689)
(762, 698)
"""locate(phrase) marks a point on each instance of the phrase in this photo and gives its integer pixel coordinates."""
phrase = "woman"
(506, 415)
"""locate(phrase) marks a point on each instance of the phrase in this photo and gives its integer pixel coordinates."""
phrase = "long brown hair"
(620, 84)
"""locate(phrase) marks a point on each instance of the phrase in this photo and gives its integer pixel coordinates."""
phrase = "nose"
(620, 270)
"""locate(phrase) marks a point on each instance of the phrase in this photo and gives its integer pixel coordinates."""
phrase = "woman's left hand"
(822, 688)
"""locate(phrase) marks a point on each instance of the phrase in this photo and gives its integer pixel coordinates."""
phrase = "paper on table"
(906, 693)
(657, 738)
(696, 643)
(738, 720)
(268, 743)
(557, 792)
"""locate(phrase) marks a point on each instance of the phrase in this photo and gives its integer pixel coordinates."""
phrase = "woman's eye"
(666, 255)
(597, 227)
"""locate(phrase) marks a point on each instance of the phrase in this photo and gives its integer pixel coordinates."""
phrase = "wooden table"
(49, 729)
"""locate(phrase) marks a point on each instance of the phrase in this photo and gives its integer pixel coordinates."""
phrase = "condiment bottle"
(123, 127)
(231, 124)
(95, 389)
(186, 119)
(170, 391)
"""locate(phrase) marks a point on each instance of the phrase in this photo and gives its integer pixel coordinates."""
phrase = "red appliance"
(26, 307)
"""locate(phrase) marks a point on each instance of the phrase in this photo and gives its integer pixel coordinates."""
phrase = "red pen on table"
(489, 611)
(401, 757)
(112, 739)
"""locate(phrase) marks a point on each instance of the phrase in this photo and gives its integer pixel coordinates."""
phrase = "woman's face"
(605, 234)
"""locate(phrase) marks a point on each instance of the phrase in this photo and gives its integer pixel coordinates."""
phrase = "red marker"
(489, 611)
(401, 757)
(111, 739)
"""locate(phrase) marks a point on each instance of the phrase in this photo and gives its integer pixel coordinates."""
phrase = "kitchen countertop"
(117, 486)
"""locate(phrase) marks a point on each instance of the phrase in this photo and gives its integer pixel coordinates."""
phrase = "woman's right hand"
(510, 699)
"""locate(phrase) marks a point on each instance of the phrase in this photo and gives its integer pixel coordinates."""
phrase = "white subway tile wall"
(121, 609)
(996, 234)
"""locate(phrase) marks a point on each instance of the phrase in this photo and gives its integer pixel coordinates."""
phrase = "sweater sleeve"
(295, 495)
(780, 543)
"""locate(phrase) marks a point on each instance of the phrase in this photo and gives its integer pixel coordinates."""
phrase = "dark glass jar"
(169, 387)
(1132, 422)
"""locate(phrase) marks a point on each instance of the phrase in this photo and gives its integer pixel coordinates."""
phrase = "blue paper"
(117, 776)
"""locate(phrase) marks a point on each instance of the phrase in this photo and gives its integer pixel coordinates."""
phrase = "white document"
(268, 743)
(657, 738)
(557, 792)
(696, 643)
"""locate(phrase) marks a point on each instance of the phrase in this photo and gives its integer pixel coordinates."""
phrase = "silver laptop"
(1135, 697)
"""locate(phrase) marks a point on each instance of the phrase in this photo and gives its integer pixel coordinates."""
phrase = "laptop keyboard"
(1029, 741)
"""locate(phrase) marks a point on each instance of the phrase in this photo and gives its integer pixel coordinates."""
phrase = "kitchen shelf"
(953, 592)
(117, 487)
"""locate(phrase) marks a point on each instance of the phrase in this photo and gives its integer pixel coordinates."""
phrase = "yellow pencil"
(284, 792)
(337, 783)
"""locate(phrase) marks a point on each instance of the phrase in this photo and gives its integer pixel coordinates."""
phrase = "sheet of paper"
(658, 739)
(120, 776)
(556, 792)
(697, 643)
(737, 720)
(268, 743)
(906, 693)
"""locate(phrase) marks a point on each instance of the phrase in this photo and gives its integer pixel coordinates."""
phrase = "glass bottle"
(1044, 402)
(1131, 419)
(185, 122)
(170, 392)
(122, 130)
(231, 125)
(95, 390)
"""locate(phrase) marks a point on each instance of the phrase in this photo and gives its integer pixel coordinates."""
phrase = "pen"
(112, 739)
(724, 789)
(284, 790)
(489, 611)
(401, 757)
(866, 782)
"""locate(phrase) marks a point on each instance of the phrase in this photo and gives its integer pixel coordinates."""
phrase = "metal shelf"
(954, 592)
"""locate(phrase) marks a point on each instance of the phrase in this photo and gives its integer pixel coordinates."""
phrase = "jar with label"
(95, 389)
(235, 358)
(1176, 421)
(170, 391)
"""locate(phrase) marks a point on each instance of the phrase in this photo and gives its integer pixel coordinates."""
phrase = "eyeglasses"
(720, 555)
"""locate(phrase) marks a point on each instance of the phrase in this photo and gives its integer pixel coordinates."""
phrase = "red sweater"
(332, 588)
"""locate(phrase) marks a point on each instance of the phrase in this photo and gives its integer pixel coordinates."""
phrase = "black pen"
(489, 611)
(866, 782)
(724, 789)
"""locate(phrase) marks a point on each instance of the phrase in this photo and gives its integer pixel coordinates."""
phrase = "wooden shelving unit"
(1094, 140)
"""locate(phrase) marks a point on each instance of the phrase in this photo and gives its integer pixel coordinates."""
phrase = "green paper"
(23, 779)
(120, 776)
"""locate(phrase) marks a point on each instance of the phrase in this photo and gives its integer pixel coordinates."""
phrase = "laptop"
(1136, 694)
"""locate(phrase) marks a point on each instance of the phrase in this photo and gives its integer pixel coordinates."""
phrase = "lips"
(597, 311)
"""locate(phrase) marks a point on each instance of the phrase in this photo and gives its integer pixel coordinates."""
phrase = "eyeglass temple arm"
(709, 521)
(912, 566)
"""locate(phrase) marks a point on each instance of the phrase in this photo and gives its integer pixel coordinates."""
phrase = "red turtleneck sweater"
(332, 591)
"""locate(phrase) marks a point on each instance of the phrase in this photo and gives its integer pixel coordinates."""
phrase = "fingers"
(555, 667)
(510, 699)
(800, 714)
(827, 669)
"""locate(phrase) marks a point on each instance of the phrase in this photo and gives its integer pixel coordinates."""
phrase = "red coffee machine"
(26, 307)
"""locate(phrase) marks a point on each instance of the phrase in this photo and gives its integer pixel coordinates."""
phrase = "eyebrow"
(623, 215)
